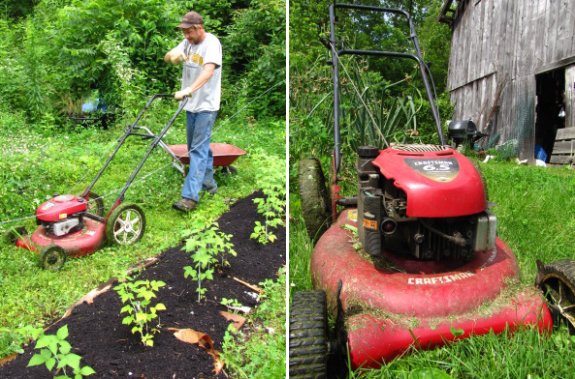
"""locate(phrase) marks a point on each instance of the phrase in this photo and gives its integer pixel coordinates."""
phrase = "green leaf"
(62, 333)
(73, 360)
(127, 320)
(53, 346)
(36, 360)
(160, 307)
(50, 363)
(44, 341)
(65, 347)
(87, 370)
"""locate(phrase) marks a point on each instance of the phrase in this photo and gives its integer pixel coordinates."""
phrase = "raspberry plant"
(206, 245)
(272, 205)
(56, 352)
(137, 295)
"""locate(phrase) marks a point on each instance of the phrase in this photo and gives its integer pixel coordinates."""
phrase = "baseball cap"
(190, 19)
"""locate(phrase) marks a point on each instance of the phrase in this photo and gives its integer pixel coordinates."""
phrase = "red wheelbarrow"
(224, 155)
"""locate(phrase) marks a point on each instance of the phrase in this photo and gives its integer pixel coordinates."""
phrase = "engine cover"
(422, 201)
(438, 181)
(60, 208)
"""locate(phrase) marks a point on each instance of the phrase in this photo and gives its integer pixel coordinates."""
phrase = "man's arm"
(207, 72)
(175, 56)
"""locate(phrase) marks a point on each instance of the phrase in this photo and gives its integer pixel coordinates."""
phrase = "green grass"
(35, 164)
(265, 333)
(535, 218)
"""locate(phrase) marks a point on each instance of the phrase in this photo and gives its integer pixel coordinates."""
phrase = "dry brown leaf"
(7, 359)
(218, 365)
(237, 320)
(192, 336)
(201, 339)
(90, 296)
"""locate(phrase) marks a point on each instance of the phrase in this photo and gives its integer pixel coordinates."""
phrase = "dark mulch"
(97, 333)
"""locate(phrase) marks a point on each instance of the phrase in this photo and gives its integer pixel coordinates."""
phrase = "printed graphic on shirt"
(196, 58)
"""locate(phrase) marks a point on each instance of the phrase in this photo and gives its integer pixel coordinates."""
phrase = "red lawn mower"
(73, 226)
(430, 268)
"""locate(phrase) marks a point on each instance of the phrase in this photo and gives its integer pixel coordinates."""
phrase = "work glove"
(179, 95)
(174, 56)
(178, 57)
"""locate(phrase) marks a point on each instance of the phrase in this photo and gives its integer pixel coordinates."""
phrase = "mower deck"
(77, 244)
(391, 304)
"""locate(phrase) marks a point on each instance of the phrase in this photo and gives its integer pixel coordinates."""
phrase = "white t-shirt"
(207, 98)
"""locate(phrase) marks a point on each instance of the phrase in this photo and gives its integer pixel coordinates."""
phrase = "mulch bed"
(97, 333)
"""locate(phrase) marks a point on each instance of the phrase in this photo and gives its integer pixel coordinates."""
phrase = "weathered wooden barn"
(512, 71)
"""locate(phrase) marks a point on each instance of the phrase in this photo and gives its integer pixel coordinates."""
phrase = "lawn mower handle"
(425, 72)
(129, 132)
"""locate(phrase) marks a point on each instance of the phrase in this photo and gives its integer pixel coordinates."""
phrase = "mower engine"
(62, 214)
(426, 202)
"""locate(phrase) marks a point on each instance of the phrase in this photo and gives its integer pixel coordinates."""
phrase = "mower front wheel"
(308, 341)
(126, 225)
(557, 281)
(315, 204)
(53, 258)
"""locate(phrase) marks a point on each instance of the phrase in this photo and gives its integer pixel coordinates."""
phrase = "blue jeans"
(201, 171)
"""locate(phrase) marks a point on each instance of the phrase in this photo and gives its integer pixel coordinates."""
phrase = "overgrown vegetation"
(266, 331)
(61, 53)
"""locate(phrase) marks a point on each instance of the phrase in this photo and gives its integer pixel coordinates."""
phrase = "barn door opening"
(550, 111)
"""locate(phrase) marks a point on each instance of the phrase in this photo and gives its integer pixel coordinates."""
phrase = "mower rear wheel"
(95, 204)
(126, 225)
(308, 344)
(315, 204)
(53, 258)
(557, 281)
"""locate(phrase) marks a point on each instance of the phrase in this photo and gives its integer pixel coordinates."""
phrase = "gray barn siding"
(505, 43)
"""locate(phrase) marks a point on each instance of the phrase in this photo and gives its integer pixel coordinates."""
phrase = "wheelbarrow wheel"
(557, 281)
(308, 346)
(229, 170)
(315, 204)
(126, 225)
(52, 258)
(95, 204)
